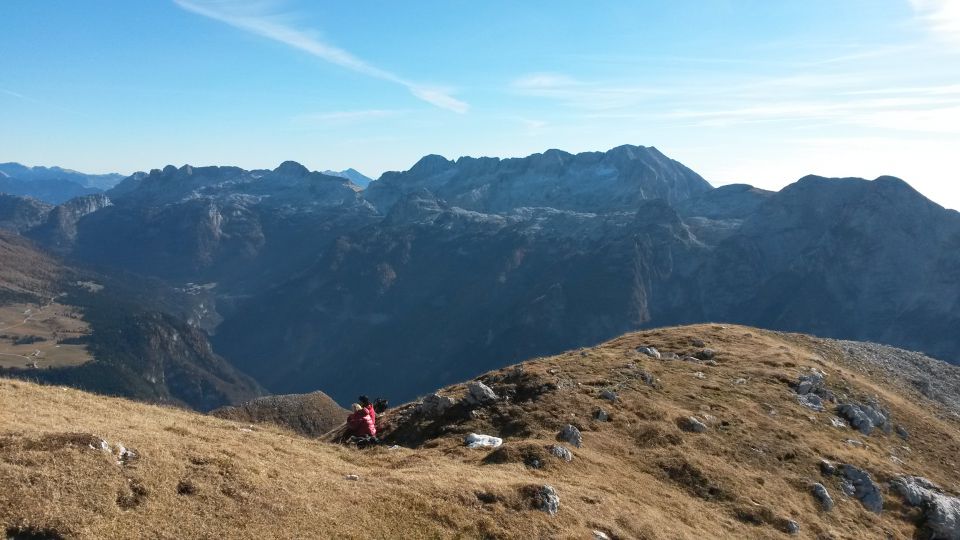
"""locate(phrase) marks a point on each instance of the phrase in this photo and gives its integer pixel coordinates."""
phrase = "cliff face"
(58, 232)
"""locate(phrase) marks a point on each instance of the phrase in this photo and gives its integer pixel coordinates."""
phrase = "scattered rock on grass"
(561, 452)
(811, 401)
(692, 424)
(827, 468)
(547, 500)
(649, 351)
(864, 488)
(705, 354)
(941, 512)
(865, 417)
(608, 395)
(820, 492)
(601, 415)
(479, 394)
(476, 440)
(435, 405)
(572, 435)
(810, 383)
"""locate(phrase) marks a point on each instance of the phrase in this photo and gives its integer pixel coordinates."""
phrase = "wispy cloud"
(12, 93)
(903, 113)
(257, 19)
(582, 94)
(943, 17)
(349, 117)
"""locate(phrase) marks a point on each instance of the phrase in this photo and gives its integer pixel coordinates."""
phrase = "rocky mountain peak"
(291, 168)
(431, 164)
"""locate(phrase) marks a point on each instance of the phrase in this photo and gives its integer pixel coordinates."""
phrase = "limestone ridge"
(590, 181)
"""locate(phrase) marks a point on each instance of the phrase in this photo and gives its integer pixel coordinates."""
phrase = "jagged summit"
(706, 431)
(590, 181)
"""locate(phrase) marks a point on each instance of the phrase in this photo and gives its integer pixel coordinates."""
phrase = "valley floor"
(42, 336)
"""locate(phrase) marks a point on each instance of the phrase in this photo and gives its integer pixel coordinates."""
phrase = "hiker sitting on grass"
(361, 423)
(374, 408)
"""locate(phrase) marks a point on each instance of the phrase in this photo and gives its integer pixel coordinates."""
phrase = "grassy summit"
(643, 473)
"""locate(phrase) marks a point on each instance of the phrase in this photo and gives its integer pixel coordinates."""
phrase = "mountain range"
(52, 185)
(305, 280)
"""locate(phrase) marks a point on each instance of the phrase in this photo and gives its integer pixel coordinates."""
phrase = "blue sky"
(753, 91)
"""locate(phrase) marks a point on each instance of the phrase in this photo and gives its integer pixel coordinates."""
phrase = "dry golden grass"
(637, 476)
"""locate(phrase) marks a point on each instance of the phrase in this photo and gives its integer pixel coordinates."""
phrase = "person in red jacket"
(364, 402)
(361, 423)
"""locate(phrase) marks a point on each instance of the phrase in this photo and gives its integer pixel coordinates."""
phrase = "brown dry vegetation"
(637, 476)
(25, 270)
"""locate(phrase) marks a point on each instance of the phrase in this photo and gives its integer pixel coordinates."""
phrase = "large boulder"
(562, 452)
(822, 495)
(435, 405)
(692, 424)
(572, 435)
(649, 351)
(547, 500)
(860, 484)
(479, 394)
(865, 417)
(941, 512)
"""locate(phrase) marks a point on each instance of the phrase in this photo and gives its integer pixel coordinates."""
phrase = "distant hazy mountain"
(353, 175)
(21, 213)
(98, 181)
(53, 185)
